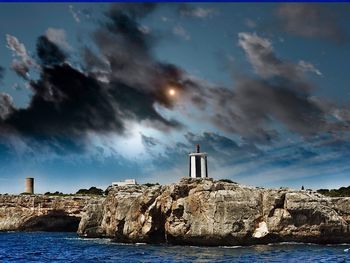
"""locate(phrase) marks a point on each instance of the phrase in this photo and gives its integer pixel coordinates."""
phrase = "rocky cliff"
(42, 213)
(207, 212)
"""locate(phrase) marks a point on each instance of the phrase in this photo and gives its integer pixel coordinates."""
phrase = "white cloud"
(249, 23)
(144, 29)
(262, 56)
(198, 12)
(24, 62)
(17, 47)
(308, 67)
(341, 114)
(58, 37)
(74, 13)
(6, 105)
(180, 31)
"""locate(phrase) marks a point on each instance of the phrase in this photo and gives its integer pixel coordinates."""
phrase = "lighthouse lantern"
(198, 167)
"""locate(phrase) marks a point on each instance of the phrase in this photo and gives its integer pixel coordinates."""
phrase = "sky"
(94, 93)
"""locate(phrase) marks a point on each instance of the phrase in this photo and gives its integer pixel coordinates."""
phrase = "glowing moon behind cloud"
(172, 92)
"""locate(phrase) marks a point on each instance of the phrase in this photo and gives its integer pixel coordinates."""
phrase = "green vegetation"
(92, 191)
(25, 193)
(227, 181)
(57, 194)
(341, 192)
(150, 184)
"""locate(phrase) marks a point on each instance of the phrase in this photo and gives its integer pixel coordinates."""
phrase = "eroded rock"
(42, 213)
(207, 212)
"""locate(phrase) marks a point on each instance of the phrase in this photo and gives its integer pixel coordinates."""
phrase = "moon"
(172, 92)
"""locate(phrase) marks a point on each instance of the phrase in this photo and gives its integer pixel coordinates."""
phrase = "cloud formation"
(75, 14)
(70, 102)
(22, 62)
(180, 31)
(310, 20)
(16, 47)
(48, 52)
(121, 81)
(256, 104)
(197, 12)
(220, 147)
(261, 55)
(58, 37)
(6, 105)
(279, 94)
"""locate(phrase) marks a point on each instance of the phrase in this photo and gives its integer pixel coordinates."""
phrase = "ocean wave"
(230, 246)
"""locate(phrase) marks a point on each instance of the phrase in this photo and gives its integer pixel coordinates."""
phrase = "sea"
(68, 247)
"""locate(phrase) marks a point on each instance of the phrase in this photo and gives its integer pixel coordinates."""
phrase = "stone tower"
(198, 167)
(29, 185)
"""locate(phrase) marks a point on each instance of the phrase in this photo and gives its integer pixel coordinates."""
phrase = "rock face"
(129, 214)
(42, 213)
(207, 212)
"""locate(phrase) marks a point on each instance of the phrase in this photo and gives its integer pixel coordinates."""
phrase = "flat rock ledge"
(213, 213)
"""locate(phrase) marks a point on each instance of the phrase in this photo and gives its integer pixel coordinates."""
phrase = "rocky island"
(193, 211)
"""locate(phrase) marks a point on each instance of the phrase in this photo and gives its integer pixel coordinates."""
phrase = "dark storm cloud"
(66, 101)
(93, 62)
(256, 103)
(310, 20)
(126, 53)
(48, 52)
(279, 94)
(2, 73)
(123, 21)
(123, 82)
(126, 58)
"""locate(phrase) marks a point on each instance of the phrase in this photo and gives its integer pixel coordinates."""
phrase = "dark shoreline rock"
(54, 221)
(214, 213)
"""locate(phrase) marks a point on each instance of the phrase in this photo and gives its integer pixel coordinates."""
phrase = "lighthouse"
(198, 167)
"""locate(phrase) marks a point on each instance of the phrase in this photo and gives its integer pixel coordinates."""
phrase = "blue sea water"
(67, 247)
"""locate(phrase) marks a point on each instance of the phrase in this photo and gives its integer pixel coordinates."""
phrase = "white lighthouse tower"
(198, 167)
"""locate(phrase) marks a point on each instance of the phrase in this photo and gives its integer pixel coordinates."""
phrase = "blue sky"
(264, 88)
